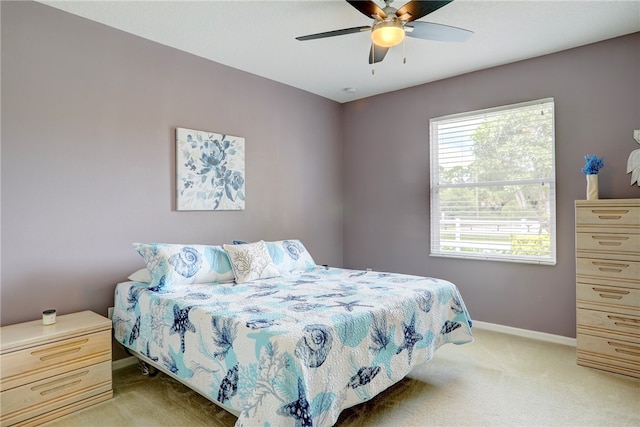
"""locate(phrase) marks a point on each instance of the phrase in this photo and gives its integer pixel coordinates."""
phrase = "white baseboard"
(123, 363)
(525, 333)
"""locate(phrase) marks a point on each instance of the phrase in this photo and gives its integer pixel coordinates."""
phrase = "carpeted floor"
(499, 380)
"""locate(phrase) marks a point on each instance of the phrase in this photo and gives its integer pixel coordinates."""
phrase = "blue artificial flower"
(593, 165)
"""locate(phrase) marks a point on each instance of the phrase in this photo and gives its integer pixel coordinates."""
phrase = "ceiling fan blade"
(378, 53)
(334, 33)
(417, 9)
(368, 8)
(437, 32)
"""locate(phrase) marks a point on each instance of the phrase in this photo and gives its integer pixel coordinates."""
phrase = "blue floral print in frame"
(210, 171)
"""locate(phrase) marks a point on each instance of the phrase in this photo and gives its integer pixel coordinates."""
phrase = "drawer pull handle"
(610, 213)
(624, 348)
(60, 350)
(601, 237)
(630, 353)
(625, 322)
(59, 384)
(611, 291)
(610, 267)
(610, 240)
(610, 264)
(60, 387)
(610, 296)
(602, 243)
(60, 354)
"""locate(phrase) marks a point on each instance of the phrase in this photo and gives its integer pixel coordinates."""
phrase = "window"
(493, 184)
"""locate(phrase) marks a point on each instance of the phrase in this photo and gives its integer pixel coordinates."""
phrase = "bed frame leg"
(146, 369)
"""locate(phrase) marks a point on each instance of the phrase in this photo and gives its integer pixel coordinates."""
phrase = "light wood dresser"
(608, 284)
(49, 371)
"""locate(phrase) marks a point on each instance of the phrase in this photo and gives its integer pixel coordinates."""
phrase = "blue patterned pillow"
(290, 255)
(174, 265)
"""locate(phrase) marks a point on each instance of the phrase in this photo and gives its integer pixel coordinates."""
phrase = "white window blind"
(493, 184)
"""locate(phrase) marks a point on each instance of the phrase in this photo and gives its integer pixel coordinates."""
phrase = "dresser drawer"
(609, 348)
(50, 394)
(618, 366)
(614, 270)
(32, 364)
(610, 325)
(608, 298)
(624, 246)
(622, 216)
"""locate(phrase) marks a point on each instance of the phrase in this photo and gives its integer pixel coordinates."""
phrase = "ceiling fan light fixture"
(387, 33)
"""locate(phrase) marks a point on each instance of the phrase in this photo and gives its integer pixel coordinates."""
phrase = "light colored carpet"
(499, 380)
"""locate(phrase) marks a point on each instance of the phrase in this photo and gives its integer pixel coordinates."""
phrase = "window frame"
(436, 246)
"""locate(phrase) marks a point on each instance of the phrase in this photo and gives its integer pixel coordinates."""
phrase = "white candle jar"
(49, 317)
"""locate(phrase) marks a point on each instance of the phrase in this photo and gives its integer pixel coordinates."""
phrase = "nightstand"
(49, 371)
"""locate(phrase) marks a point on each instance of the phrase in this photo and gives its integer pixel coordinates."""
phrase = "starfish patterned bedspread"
(293, 350)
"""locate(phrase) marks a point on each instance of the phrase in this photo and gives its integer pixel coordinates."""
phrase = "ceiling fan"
(391, 25)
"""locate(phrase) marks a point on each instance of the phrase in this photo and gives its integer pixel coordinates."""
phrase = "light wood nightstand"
(49, 371)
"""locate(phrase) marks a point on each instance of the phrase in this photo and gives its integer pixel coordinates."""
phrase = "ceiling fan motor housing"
(387, 33)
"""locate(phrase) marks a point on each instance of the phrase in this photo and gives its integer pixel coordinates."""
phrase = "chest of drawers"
(49, 371)
(608, 285)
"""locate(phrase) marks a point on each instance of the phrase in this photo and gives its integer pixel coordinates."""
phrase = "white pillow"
(141, 276)
(251, 261)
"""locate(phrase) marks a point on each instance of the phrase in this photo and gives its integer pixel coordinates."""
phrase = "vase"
(592, 187)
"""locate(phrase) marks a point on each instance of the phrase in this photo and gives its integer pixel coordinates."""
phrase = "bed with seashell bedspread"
(292, 350)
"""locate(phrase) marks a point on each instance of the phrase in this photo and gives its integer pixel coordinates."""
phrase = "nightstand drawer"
(624, 246)
(25, 366)
(619, 216)
(609, 269)
(51, 394)
(611, 325)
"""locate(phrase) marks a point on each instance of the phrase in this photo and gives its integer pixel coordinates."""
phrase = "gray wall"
(386, 178)
(88, 121)
(88, 124)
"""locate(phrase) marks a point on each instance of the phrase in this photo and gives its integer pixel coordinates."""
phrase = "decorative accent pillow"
(141, 276)
(174, 265)
(290, 255)
(251, 261)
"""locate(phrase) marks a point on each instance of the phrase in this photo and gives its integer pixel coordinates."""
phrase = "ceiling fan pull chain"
(373, 64)
(404, 55)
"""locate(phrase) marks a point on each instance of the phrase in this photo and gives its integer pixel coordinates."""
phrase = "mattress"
(297, 349)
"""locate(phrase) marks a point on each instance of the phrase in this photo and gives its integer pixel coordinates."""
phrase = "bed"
(295, 348)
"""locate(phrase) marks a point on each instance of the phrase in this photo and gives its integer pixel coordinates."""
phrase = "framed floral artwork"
(210, 171)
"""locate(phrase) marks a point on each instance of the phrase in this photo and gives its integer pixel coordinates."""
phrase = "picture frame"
(210, 171)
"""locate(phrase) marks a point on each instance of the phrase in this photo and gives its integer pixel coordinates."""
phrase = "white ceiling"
(259, 37)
